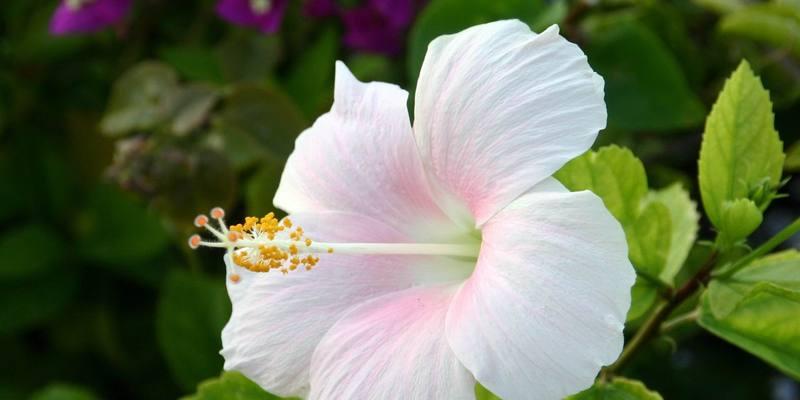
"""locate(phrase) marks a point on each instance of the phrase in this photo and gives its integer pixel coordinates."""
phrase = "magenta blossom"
(82, 16)
(377, 26)
(264, 15)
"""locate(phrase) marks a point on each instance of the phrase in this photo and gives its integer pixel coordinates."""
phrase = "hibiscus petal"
(277, 320)
(545, 306)
(391, 348)
(499, 108)
(361, 157)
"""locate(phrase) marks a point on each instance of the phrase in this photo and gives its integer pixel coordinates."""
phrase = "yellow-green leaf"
(741, 149)
(617, 389)
(764, 323)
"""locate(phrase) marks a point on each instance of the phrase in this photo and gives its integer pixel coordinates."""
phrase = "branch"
(653, 324)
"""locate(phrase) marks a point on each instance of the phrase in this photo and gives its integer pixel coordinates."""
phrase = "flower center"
(76, 5)
(260, 7)
(266, 243)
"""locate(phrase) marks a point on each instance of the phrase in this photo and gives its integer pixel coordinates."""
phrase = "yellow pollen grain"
(266, 256)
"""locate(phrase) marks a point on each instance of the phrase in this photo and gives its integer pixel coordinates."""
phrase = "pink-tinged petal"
(277, 320)
(89, 17)
(361, 157)
(545, 307)
(391, 348)
(500, 108)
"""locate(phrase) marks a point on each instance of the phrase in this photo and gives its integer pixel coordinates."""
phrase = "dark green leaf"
(29, 251)
(645, 92)
(792, 163)
(140, 99)
(58, 391)
(191, 313)
(310, 81)
(195, 63)
(115, 229)
(248, 57)
(260, 189)
(191, 106)
(774, 24)
(443, 17)
(258, 122)
(29, 303)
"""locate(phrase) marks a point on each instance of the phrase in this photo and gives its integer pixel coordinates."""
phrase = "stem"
(664, 309)
(670, 325)
(760, 251)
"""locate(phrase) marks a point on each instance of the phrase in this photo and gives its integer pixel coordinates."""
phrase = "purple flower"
(82, 16)
(265, 15)
(377, 26)
(321, 8)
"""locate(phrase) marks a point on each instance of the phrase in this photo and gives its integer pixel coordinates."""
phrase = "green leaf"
(763, 323)
(59, 391)
(191, 106)
(482, 393)
(721, 6)
(649, 239)
(29, 251)
(310, 80)
(371, 67)
(614, 174)
(741, 150)
(258, 122)
(780, 269)
(618, 177)
(114, 229)
(684, 223)
(195, 63)
(261, 187)
(230, 385)
(190, 316)
(617, 389)
(553, 14)
(32, 302)
(247, 57)
(648, 92)
(443, 17)
(773, 24)
(140, 99)
(792, 163)
(740, 218)
(643, 296)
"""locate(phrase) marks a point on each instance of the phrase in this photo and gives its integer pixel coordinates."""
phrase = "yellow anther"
(330, 250)
(235, 278)
(261, 244)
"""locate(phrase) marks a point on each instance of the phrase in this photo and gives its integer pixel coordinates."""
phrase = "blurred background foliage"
(112, 142)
